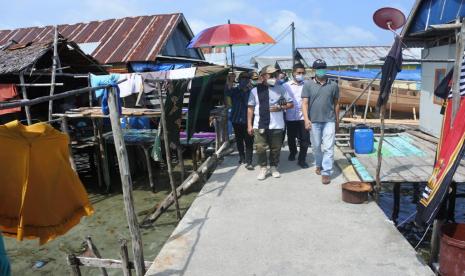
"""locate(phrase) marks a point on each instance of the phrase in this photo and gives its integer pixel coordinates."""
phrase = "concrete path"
(293, 225)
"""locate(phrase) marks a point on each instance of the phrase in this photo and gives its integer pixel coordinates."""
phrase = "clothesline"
(21, 103)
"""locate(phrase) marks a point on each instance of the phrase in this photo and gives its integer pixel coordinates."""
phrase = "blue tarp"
(153, 67)
(405, 75)
(431, 12)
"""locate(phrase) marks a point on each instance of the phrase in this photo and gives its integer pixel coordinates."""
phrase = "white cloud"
(316, 32)
(198, 25)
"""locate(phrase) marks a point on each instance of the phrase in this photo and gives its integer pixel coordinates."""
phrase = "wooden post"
(396, 203)
(73, 262)
(97, 149)
(414, 113)
(366, 105)
(216, 125)
(167, 150)
(126, 184)
(149, 167)
(54, 68)
(181, 162)
(65, 129)
(23, 91)
(380, 157)
(96, 253)
(125, 258)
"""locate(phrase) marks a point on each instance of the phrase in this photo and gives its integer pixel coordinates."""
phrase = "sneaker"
(262, 174)
(291, 157)
(303, 164)
(249, 166)
(325, 179)
(274, 172)
(318, 170)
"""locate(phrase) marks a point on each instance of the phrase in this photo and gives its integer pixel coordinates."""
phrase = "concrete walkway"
(293, 225)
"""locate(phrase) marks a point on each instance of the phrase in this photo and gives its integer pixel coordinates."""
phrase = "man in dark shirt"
(239, 97)
(321, 110)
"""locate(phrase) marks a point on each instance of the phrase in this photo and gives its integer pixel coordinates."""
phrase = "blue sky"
(317, 22)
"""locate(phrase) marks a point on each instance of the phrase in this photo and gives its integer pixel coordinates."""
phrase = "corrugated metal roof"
(262, 61)
(350, 56)
(138, 38)
(284, 64)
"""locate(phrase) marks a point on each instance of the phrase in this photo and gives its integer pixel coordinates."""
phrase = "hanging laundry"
(102, 80)
(149, 77)
(173, 110)
(449, 153)
(8, 92)
(392, 65)
(133, 85)
(41, 196)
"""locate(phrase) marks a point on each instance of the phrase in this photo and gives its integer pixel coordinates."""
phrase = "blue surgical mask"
(299, 78)
(280, 81)
(320, 73)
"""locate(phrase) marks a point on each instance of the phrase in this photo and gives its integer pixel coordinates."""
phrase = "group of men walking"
(264, 107)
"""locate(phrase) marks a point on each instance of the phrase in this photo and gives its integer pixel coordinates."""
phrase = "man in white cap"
(265, 120)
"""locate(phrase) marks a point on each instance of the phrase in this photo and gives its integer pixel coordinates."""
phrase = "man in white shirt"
(295, 119)
(265, 120)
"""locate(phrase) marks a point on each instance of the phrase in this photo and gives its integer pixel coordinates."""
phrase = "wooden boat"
(401, 99)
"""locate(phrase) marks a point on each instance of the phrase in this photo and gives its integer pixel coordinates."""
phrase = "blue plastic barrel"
(363, 140)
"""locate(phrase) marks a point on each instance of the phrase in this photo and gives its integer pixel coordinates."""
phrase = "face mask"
(299, 78)
(320, 73)
(243, 83)
(253, 82)
(271, 82)
(281, 81)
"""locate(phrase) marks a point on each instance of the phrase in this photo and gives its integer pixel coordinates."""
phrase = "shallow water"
(407, 214)
(106, 226)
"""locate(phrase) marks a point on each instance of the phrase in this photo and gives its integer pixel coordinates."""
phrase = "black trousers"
(243, 140)
(296, 131)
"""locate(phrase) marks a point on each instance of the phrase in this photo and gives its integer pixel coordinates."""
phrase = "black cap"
(319, 64)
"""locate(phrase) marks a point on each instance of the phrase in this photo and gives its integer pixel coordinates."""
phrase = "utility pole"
(293, 43)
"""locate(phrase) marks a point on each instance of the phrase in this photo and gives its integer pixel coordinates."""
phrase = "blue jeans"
(323, 139)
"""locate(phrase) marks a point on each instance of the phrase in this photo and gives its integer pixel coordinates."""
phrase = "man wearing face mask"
(321, 110)
(254, 79)
(239, 97)
(265, 120)
(295, 119)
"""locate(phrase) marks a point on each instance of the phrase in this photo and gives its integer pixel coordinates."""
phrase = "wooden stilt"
(149, 166)
(197, 175)
(74, 263)
(124, 258)
(181, 162)
(96, 253)
(367, 105)
(380, 157)
(65, 129)
(167, 151)
(97, 152)
(414, 113)
(126, 184)
(27, 108)
(54, 68)
(396, 203)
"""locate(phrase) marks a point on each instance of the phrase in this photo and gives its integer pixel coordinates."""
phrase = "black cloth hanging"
(445, 85)
(392, 65)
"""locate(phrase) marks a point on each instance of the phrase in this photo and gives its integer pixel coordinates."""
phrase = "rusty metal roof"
(139, 38)
(349, 56)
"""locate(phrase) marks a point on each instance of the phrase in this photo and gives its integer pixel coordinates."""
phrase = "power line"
(278, 37)
(268, 47)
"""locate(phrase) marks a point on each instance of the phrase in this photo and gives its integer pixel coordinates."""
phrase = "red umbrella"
(228, 35)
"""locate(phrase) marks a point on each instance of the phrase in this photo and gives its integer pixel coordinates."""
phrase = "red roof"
(138, 38)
